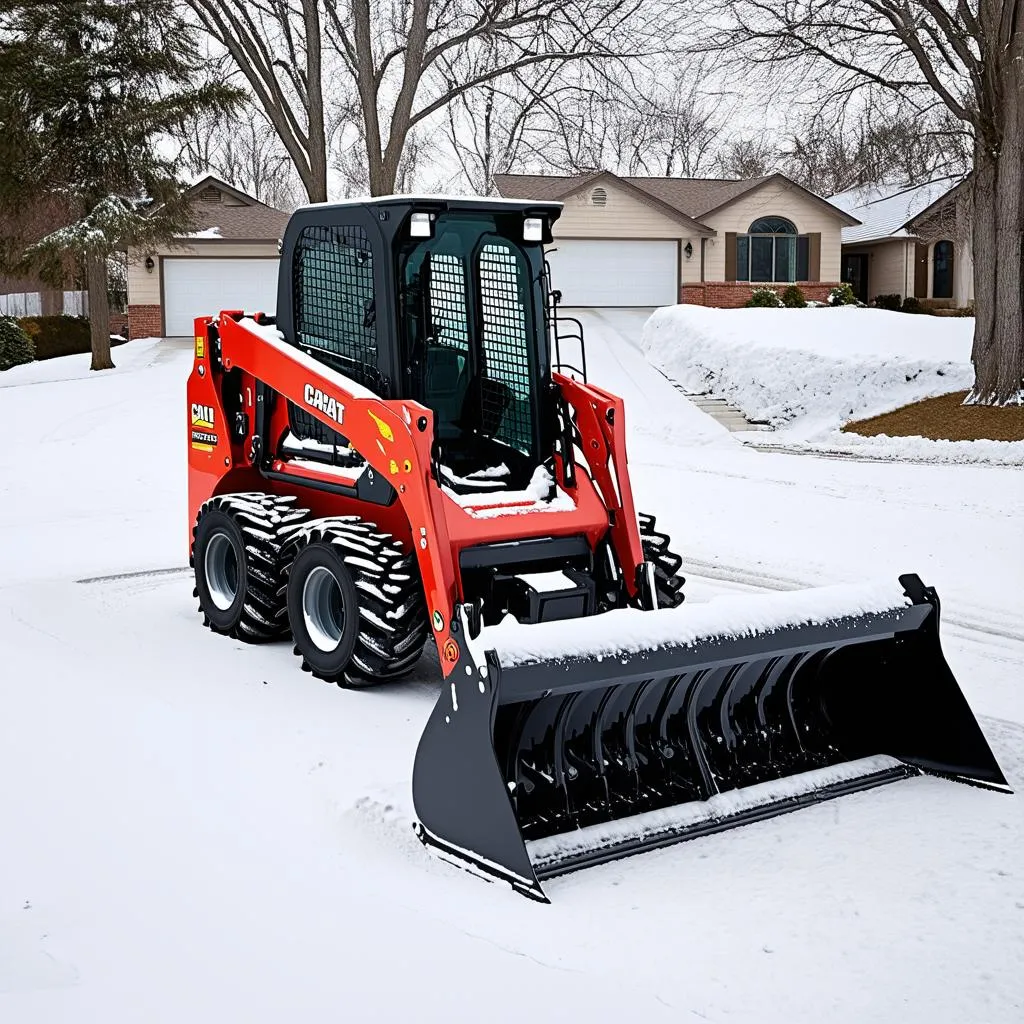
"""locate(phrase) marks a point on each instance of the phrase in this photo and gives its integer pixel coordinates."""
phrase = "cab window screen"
(503, 289)
(334, 300)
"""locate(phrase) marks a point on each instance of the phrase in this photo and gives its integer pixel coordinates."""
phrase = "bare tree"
(400, 62)
(878, 143)
(277, 45)
(748, 157)
(967, 56)
(515, 123)
(244, 151)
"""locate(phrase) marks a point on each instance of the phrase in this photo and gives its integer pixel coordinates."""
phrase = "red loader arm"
(393, 436)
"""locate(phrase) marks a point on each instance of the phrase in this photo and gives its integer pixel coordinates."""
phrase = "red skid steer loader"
(401, 456)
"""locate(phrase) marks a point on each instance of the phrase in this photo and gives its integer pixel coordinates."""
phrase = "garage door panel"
(609, 272)
(203, 287)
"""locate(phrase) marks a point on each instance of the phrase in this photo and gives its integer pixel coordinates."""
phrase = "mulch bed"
(946, 419)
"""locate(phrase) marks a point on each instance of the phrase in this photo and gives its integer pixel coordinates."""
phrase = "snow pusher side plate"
(533, 766)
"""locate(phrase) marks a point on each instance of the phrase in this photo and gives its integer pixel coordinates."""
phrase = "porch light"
(420, 226)
(688, 249)
(533, 229)
(150, 264)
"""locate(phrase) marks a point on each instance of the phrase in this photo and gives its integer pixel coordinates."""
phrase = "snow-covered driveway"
(192, 829)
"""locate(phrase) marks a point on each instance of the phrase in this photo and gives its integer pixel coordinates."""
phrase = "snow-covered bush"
(842, 295)
(793, 298)
(15, 345)
(766, 298)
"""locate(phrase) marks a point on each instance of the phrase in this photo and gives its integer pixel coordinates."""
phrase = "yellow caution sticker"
(382, 427)
(200, 347)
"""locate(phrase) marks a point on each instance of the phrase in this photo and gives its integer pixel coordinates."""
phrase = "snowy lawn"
(809, 371)
(193, 829)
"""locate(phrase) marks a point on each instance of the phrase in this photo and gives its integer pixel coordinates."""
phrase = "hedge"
(15, 345)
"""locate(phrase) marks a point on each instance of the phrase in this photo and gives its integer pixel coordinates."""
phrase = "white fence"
(30, 304)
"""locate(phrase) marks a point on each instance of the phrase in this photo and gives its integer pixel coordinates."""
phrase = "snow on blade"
(629, 630)
(652, 824)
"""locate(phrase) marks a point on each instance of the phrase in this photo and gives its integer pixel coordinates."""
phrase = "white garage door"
(615, 273)
(194, 287)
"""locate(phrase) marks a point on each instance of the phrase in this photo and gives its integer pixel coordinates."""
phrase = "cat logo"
(202, 416)
(331, 407)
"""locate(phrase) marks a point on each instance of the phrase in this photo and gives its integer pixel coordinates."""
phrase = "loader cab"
(439, 300)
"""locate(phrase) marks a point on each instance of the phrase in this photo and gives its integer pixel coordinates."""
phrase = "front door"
(855, 272)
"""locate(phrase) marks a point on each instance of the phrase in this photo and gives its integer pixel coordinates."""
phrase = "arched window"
(771, 250)
(772, 226)
(942, 275)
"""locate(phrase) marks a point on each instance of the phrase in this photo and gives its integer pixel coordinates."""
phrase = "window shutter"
(730, 255)
(814, 256)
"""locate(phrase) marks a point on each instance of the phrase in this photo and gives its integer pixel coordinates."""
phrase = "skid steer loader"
(402, 455)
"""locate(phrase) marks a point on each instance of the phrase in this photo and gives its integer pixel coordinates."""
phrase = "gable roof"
(556, 187)
(886, 211)
(693, 198)
(249, 221)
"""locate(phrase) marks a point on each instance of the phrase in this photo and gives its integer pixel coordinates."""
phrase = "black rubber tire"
(657, 549)
(253, 527)
(383, 612)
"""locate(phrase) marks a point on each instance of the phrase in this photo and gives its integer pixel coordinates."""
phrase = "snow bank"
(629, 630)
(818, 368)
(917, 449)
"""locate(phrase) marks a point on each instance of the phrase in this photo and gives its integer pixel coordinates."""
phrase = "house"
(908, 243)
(228, 261)
(636, 241)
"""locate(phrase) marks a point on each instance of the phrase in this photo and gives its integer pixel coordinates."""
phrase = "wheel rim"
(323, 613)
(221, 566)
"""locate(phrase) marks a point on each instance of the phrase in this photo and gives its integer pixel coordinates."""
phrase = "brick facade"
(733, 294)
(145, 321)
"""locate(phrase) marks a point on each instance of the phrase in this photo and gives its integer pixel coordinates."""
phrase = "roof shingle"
(249, 223)
(692, 197)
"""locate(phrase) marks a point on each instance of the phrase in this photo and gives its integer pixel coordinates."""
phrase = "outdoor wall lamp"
(150, 264)
(688, 249)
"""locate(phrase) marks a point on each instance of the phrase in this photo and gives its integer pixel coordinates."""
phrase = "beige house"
(634, 241)
(910, 242)
(228, 261)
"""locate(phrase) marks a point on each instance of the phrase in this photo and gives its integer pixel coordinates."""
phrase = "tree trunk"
(316, 186)
(99, 312)
(998, 246)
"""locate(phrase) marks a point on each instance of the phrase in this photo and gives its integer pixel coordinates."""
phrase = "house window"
(771, 250)
(942, 276)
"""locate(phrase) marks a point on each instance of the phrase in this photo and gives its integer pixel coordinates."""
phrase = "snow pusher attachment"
(697, 719)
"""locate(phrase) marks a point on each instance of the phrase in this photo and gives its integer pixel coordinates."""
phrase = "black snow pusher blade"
(654, 727)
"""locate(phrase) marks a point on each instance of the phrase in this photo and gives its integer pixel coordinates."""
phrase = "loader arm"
(601, 420)
(394, 437)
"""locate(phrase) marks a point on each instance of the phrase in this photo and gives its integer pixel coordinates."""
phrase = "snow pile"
(629, 630)
(811, 369)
